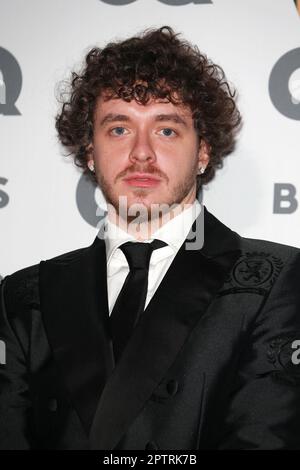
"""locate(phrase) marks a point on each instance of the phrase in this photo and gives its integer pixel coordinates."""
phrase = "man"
(170, 331)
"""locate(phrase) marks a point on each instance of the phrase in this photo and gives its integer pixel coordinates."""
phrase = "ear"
(203, 154)
(90, 153)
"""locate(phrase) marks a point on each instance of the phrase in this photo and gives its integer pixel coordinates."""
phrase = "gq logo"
(10, 83)
(284, 84)
(166, 2)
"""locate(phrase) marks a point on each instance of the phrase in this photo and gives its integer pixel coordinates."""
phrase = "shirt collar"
(173, 232)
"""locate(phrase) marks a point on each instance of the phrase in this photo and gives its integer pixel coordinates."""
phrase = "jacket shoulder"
(68, 257)
(22, 287)
(284, 252)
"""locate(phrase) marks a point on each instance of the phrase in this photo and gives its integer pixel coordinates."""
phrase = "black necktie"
(131, 300)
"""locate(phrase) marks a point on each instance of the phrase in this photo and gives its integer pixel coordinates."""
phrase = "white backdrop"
(257, 43)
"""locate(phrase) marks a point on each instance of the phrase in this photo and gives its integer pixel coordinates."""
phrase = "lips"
(142, 180)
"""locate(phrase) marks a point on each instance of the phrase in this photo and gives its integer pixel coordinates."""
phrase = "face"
(148, 153)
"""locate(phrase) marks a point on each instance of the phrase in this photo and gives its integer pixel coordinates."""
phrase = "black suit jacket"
(209, 365)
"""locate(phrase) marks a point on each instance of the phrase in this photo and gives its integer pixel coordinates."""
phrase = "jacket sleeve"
(264, 410)
(15, 404)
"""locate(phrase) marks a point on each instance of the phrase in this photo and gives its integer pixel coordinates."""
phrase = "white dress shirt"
(173, 232)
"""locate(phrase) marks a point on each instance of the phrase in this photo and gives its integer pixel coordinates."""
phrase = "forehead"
(133, 109)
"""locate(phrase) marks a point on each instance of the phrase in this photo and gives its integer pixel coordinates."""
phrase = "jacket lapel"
(74, 309)
(187, 289)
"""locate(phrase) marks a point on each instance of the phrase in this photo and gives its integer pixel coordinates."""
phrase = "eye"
(167, 132)
(118, 130)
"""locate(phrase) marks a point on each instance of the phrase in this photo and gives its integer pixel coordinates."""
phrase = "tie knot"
(138, 254)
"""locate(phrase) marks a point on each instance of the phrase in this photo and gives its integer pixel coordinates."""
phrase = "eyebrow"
(173, 117)
(110, 117)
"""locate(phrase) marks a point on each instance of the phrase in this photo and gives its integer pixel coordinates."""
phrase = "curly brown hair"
(155, 64)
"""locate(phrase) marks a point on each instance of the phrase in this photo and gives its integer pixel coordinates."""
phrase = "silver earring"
(201, 170)
(91, 166)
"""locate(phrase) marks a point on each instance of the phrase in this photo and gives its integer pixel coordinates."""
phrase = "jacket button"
(172, 387)
(52, 404)
(151, 446)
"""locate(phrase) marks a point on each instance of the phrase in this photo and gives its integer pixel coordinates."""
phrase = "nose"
(142, 149)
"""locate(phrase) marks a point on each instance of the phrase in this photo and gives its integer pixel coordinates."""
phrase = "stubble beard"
(139, 212)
